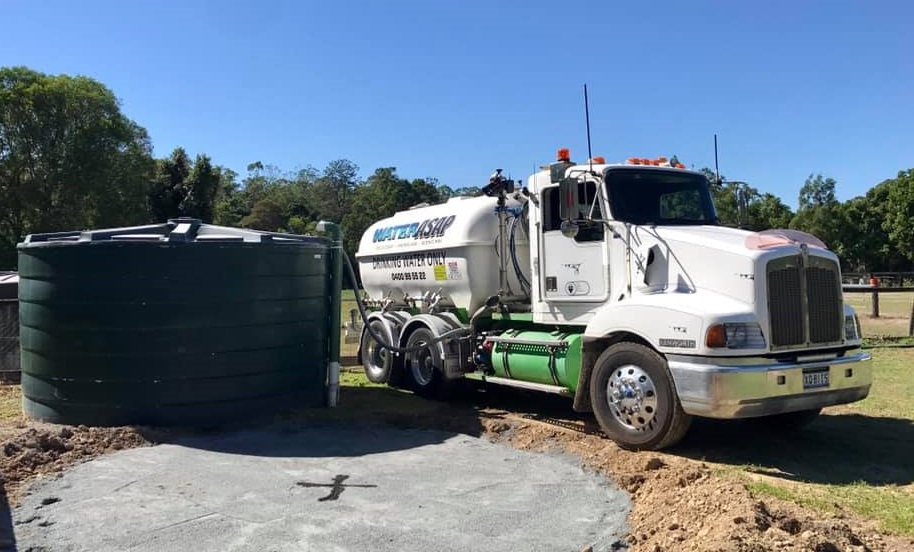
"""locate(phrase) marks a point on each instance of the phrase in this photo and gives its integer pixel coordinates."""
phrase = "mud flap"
(456, 351)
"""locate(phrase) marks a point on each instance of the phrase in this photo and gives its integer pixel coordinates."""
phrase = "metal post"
(875, 312)
(336, 286)
(911, 321)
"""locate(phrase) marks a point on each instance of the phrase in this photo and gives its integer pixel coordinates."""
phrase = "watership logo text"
(429, 228)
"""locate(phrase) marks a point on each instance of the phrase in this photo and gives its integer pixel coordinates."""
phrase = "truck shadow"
(835, 449)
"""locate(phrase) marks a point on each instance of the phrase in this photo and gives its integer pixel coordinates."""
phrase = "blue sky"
(453, 90)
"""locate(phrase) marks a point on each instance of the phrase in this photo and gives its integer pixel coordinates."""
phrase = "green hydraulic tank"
(552, 358)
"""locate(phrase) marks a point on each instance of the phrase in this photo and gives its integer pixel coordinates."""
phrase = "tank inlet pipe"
(336, 289)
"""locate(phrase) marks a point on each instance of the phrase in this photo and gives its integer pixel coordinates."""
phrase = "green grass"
(892, 394)
(348, 303)
(10, 402)
(893, 507)
(894, 313)
(857, 457)
(891, 503)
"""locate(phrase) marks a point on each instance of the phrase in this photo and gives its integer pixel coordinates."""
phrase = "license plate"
(812, 380)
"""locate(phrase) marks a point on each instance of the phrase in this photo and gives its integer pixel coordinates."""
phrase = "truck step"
(529, 385)
(561, 343)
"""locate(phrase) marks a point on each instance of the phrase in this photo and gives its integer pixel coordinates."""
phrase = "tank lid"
(179, 230)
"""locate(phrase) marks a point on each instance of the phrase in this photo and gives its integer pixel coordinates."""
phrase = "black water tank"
(178, 323)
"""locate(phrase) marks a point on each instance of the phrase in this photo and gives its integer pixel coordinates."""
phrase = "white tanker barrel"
(452, 247)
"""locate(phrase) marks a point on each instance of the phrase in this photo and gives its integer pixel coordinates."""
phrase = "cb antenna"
(587, 118)
(716, 168)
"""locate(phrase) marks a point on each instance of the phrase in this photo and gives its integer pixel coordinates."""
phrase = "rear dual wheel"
(376, 360)
(424, 367)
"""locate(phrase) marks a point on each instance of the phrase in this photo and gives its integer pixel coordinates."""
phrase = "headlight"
(852, 330)
(736, 335)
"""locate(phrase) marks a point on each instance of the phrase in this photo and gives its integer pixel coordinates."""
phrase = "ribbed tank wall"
(137, 331)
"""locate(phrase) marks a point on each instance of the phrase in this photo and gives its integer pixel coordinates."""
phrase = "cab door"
(573, 270)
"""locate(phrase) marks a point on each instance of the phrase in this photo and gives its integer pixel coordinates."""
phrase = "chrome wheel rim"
(632, 397)
(422, 365)
(377, 359)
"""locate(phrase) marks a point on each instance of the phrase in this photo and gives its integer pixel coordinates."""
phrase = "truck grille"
(805, 303)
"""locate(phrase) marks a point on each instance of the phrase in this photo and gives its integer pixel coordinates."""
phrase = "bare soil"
(36, 449)
(680, 502)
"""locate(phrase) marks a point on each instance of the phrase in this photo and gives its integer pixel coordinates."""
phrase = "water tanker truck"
(614, 285)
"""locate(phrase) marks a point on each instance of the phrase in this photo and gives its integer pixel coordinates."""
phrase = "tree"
(69, 159)
(446, 192)
(236, 201)
(266, 215)
(817, 192)
(732, 199)
(819, 211)
(329, 196)
(899, 212)
(382, 195)
(768, 211)
(863, 242)
(182, 188)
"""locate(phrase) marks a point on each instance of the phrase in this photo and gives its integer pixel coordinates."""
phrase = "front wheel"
(634, 399)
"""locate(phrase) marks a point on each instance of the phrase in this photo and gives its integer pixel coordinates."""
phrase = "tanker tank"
(451, 247)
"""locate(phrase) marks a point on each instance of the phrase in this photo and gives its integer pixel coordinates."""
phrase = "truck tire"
(376, 360)
(423, 368)
(634, 398)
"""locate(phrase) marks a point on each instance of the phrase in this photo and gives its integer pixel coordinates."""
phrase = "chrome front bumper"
(743, 389)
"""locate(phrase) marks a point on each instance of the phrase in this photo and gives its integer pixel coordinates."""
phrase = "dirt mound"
(682, 505)
(47, 448)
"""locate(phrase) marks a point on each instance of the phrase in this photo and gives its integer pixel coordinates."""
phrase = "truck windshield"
(645, 196)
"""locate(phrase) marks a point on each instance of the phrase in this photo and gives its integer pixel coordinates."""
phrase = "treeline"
(69, 159)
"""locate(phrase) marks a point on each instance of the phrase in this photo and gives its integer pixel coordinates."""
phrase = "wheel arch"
(591, 348)
(438, 324)
(392, 323)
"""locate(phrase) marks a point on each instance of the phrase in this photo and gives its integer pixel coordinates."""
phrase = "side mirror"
(568, 199)
(569, 228)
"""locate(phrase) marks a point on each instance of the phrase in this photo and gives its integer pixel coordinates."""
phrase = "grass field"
(348, 303)
(10, 402)
(857, 457)
(894, 313)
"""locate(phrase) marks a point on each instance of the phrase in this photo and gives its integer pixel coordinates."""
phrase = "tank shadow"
(7, 536)
(368, 420)
(834, 449)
